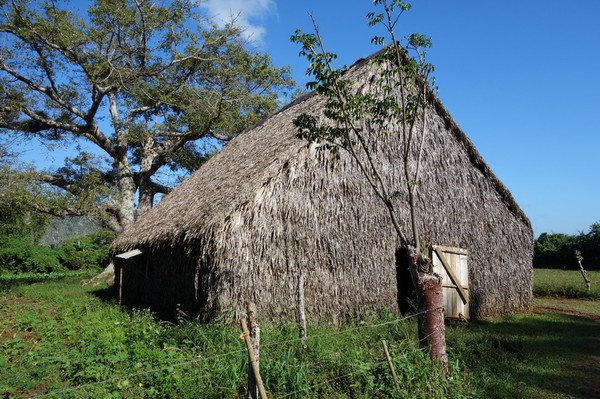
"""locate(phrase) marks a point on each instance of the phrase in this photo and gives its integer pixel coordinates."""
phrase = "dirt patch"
(572, 312)
(12, 327)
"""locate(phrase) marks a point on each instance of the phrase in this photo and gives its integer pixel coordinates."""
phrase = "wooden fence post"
(301, 310)
(252, 358)
(391, 364)
(587, 280)
(254, 331)
(121, 285)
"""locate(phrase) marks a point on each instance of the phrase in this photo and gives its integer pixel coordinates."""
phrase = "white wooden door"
(452, 264)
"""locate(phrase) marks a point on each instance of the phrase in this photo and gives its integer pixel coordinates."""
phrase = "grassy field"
(565, 284)
(68, 340)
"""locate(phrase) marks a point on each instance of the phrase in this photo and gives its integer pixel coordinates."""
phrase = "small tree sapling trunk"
(430, 303)
(429, 298)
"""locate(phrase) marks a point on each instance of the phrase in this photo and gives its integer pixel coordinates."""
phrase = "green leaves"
(387, 101)
(417, 40)
(375, 19)
(378, 40)
(348, 110)
(319, 62)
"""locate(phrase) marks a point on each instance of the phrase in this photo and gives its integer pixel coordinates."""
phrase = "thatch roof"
(269, 204)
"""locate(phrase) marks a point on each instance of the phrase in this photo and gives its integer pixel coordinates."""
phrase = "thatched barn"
(270, 206)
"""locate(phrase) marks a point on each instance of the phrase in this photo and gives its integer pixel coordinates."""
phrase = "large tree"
(143, 83)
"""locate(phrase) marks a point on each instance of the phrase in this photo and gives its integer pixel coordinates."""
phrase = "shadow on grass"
(105, 293)
(526, 356)
(109, 295)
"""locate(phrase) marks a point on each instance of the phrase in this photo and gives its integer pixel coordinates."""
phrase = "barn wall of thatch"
(317, 216)
(462, 207)
(270, 206)
(307, 221)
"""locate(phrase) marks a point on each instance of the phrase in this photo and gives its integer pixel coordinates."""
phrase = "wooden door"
(451, 263)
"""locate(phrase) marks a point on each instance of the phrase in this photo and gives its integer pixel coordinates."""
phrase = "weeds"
(63, 339)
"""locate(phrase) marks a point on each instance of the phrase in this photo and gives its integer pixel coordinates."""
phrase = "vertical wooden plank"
(254, 331)
(301, 310)
(147, 271)
(464, 261)
(120, 285)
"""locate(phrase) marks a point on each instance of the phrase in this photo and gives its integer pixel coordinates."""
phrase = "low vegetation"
(565, 284)
(69, 340)
(20, 254)
(62, 337)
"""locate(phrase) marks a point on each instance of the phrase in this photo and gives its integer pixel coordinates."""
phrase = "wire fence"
(366, 364)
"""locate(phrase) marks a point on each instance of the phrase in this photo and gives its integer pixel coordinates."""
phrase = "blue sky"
(521, 78)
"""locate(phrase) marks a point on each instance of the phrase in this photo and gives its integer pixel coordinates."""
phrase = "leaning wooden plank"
(129, 254)
(459, 287)
(452, 250)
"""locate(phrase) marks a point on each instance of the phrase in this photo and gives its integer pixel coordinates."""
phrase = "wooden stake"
(587, 280)
(391, 364)
(252, 358)
(255, 337)
(301, 310)
(120, 285)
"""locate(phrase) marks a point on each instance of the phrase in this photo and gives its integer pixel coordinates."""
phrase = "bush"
(85, 252)
(20, 255)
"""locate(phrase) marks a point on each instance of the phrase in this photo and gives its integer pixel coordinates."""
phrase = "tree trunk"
(127, 188)
(430, 303)
(146, 197)
(125, 208)
(432, 332)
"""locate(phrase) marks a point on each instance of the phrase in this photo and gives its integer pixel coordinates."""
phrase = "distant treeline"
(557, 251)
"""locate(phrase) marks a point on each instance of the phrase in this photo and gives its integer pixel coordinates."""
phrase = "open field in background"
(56, 334)
(565, 284)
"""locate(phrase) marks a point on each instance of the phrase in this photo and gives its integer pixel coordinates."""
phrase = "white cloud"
(247, 13)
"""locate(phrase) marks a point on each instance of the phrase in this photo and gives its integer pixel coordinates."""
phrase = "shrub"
(20, 254)
(85, 252)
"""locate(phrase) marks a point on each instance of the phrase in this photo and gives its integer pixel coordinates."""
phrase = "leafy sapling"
(358, 121)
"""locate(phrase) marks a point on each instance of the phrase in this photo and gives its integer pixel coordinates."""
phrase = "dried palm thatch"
(270, 206)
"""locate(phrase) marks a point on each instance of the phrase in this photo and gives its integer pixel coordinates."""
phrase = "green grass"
(565, 284)
(535, 355)
(72, 341)
(69, 340)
